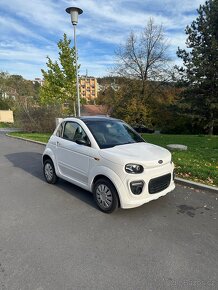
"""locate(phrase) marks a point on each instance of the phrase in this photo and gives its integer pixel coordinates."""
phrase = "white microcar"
(107, 157)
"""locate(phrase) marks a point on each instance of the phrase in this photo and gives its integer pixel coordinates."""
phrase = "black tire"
(105, 195)
(49, 172)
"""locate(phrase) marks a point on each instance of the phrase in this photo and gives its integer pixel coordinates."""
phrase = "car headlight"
(134, 168)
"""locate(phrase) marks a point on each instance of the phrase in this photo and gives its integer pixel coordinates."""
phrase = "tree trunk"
(211, 125)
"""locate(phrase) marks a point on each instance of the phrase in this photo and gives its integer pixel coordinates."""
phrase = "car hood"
(146, 154)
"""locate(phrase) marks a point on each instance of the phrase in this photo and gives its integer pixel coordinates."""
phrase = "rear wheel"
(49, 172)
(105, 195)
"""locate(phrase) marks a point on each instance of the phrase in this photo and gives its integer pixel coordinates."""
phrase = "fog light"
(137, 187)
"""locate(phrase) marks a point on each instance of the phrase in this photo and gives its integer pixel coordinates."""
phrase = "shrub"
(37, 119)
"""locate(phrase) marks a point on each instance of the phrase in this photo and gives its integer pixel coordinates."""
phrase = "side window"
(60, 130)
(80, 134)
(74, 132)
(69, 131)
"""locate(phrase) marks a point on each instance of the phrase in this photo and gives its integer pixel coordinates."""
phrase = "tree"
(17, 92)
(130, 109)
(3, 100)
(142, 62)
(60, 79)
(200, 66)
(143, 57)
(121, 100)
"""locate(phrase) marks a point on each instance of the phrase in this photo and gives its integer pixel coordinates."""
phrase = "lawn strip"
(41, 137)
(199, 163)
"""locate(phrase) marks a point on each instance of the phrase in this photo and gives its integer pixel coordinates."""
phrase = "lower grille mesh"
(158, 184)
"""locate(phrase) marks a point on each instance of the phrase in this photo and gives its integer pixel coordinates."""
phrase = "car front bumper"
(130, 200)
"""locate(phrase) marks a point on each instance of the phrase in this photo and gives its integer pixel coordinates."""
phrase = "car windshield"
(110, 133)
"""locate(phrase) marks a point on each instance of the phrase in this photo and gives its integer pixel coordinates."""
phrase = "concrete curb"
(196, 185)
(9, 130)
(28, 140)
(178, 180)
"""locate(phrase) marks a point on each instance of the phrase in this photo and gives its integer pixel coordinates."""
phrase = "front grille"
(158, 184)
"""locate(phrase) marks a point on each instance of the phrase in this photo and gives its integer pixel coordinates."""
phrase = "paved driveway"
(52, 237)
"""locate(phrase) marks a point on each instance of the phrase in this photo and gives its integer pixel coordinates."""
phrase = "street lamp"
(74, 12)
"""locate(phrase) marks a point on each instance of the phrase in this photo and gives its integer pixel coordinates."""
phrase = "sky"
(30, 30)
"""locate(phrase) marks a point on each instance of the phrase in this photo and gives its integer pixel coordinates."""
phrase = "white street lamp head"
(74, 12)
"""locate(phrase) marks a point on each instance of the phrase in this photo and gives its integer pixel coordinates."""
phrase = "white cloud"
(37, 24)
(24, 52)
(27, 70)
(8, 26)
(45, 14)
(101, 17)
(28, 60)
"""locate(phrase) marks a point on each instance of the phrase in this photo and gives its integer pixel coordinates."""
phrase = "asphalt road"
(52, 237)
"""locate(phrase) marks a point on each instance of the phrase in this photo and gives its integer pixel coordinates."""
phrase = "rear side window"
(69, 131)
(59, 132)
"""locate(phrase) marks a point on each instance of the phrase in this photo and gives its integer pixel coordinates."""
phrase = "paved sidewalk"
(8, 130)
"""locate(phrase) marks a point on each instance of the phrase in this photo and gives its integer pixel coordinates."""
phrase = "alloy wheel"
(104, 196)
(49, 172)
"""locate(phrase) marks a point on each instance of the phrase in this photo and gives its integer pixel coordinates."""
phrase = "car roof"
(94, 118)
(97, 118)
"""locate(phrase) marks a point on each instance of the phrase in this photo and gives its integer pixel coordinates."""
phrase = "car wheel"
(105, 195)
(49, 172)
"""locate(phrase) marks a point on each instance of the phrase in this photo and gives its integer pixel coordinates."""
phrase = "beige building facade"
(6, 116)
(88, 88)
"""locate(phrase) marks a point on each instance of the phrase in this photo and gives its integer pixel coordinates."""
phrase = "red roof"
(93, 110)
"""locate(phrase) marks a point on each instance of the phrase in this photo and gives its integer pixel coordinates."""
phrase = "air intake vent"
(158, 184)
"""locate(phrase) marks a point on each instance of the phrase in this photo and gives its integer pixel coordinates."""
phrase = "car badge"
(160, 161)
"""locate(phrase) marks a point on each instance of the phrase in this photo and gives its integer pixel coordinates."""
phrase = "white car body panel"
(142, 153)
(80, 165)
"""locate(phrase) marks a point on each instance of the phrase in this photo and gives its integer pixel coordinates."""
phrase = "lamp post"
(74, 12)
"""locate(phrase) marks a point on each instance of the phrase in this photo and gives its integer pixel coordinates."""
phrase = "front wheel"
(49, 172)
(105, 195)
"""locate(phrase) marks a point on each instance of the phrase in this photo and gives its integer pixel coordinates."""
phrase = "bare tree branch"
(143, 57)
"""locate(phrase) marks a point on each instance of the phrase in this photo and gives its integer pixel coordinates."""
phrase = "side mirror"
(83, 142)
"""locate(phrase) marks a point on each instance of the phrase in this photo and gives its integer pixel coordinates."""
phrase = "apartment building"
(88, 88)
(39, 81)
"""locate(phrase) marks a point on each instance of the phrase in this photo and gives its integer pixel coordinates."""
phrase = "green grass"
(6, 125)
(42, 137)
(199, 163)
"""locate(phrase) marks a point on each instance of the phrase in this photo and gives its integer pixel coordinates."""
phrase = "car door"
(73, 159)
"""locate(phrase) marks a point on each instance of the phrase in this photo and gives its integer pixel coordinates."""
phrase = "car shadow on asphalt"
(32, 164)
